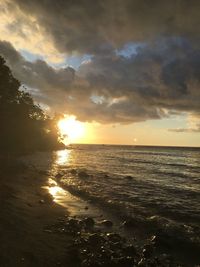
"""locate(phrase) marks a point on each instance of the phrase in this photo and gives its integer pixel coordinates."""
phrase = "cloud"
(193, 125)
(165, 75)
(24, 32)
(47, 80)
(160, 79)
(186, 130)
(98, 27)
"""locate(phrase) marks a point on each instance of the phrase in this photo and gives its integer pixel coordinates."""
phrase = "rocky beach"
(99, 133)
(37, 231)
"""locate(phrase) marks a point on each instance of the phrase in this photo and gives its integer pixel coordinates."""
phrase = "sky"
(129, 70)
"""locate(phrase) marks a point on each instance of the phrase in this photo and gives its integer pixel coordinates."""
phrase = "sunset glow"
(72, 131)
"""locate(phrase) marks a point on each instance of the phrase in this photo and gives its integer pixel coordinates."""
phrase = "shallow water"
(165, 181)
(163, 189)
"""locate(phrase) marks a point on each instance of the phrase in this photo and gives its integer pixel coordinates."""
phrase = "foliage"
(24, 125)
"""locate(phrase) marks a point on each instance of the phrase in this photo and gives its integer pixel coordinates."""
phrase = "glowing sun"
(71, 129)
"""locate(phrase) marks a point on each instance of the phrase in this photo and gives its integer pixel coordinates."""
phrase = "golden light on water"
(71, 130)
(62, 157)
(56, 191)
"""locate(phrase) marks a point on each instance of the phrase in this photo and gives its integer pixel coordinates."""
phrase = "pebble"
(88, 222)
(128, 224)
(93, 248)
(107, 223)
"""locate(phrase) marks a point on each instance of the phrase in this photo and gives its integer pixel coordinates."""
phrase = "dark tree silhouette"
(24, 126)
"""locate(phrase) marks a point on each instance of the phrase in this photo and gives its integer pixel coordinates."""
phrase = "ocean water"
(162, 189)
(164, 181)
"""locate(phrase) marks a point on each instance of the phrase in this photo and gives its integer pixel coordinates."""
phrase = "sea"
(158, 188)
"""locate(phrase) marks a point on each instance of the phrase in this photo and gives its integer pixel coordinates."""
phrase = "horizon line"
(133, 145)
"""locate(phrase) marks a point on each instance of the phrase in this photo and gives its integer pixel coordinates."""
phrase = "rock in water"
(83, 174)
(128, 223)
(128, 177)
(88, 222)
(107, 223)
(73, 171)
(58, 175)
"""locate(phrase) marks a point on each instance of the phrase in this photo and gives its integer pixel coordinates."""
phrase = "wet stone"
(115, 245)
(128, 223)
(153, 238)
(83, 174)
(73, 171)
(94, 248)
(147, 251)
(59, 175)
(107, 223)
(161, 242)
(81, 242)
(129, 250)
(128, 177)
(152, 263)
(105, 255)
(95, 240)
(142, 262)
(113, 237)
(88, 222)
(73, 222)
(73, 226)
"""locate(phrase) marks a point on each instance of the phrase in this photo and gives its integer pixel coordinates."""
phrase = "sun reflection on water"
(63, 197)
(62, 157)
(56, 191)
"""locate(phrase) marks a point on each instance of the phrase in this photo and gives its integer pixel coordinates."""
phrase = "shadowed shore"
(26, 209)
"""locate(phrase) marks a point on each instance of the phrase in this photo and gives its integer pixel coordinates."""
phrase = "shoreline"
(26, 208)
(37, 231)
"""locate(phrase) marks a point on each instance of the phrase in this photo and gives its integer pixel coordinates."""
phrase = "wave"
(187, 233)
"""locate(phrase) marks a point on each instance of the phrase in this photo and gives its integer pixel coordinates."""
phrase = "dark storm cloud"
(161, 79)
(37, 74)
(165, 74)
(99, 26)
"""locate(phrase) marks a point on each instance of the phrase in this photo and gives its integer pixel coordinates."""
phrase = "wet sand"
(26, 209)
